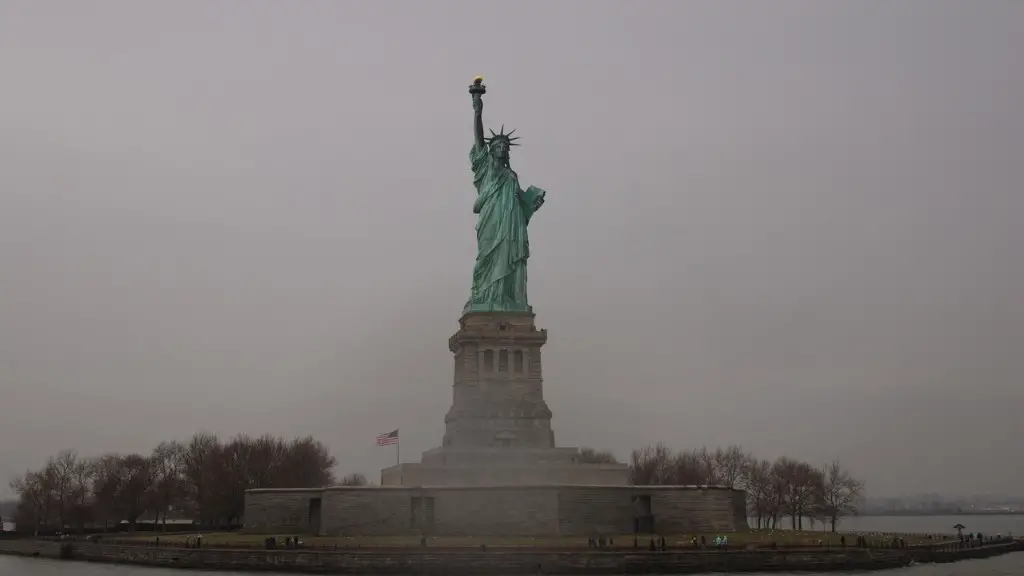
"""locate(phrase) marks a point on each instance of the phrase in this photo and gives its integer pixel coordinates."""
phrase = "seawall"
(499, 562)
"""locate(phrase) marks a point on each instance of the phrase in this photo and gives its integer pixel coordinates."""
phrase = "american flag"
(388, 439)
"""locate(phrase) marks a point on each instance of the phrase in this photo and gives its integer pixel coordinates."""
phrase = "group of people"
(602, 542)
(720, 542)
(658, 543)
(290, 543)
(862, 542)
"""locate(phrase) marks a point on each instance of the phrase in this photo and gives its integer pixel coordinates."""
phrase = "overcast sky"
(787, 225)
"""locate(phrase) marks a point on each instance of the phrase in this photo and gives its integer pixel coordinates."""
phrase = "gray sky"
(781, 224)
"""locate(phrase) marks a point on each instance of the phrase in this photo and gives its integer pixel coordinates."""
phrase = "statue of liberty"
(504, 209)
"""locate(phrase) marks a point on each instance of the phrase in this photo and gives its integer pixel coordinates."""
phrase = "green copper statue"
(505, 209)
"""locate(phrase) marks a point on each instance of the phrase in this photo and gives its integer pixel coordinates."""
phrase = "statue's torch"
(477, 87)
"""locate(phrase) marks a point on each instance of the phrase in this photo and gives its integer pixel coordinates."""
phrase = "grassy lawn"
(736, 539)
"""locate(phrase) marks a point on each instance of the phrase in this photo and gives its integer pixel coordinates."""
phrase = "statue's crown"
(502, 136)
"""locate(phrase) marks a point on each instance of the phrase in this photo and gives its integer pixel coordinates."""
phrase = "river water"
(1007, 565)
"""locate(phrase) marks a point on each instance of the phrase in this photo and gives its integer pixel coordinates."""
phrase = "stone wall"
(365, 511)
(395, 511)
(493, 562)
(392, 476)
(589, 510)
(280, 510)
(413, 474)
(496, 510)
(675, 509)
(698, 510)
(484, 511)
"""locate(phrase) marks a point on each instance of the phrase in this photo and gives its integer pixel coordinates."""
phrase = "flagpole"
(398, 448)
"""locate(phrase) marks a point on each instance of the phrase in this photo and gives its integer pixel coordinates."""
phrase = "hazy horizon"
(784, 225)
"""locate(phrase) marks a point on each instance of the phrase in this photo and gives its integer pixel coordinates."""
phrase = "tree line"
(784, 488)
(203, 479)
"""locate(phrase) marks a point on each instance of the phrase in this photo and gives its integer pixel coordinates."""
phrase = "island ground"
(495, 561)
(623, 541)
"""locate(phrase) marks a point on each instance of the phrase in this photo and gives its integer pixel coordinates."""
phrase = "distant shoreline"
(940, 513)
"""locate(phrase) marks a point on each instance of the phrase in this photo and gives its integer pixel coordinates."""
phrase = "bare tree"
(815, 511)
(841, 493)
(592, 456)
(124, 487)
(106, 489)
(62, 469)
(200, 459)
(729, 464)
(710, 474)
(800, 484)
(651, 465)
(354, 479)
(203, 476)
(83, 476)
(232, 479)
(265, 458)
(221, 474)
(33, 504)
(168, 469)
(786, 487)
(211, 478)
(759, 484)
(685, 469)
(134, 498)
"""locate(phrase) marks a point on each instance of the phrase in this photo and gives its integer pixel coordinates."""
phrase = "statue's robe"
(503, 246)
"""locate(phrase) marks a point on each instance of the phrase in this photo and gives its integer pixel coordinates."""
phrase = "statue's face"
(499, 149)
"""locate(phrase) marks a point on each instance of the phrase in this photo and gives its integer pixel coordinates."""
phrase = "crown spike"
(502, 130)
(511, 133)
(492, 132)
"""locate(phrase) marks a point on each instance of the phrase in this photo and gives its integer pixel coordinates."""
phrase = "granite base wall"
(493, 562)
(494, 510)
(284, 510)
(415, 474)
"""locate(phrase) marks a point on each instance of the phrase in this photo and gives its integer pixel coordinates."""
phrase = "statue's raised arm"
(477, 91)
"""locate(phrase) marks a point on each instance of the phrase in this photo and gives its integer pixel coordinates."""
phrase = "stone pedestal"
(498, 471)
(498, 430)
(497, 396)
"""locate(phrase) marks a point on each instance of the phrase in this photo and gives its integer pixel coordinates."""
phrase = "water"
(1007, 565)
